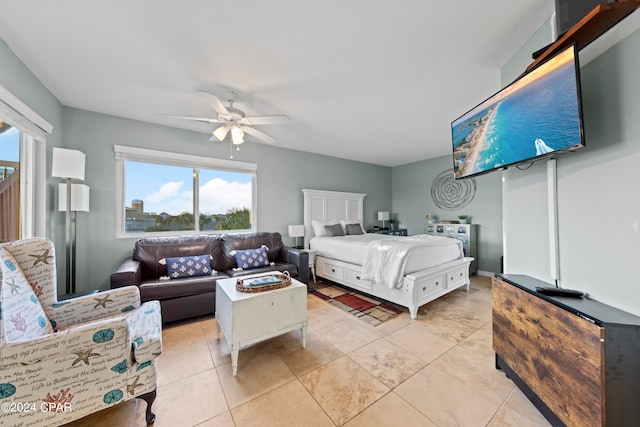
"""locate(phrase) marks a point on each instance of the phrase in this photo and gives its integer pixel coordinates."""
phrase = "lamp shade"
(79, 197)
(383, 216)
(296, 231)
(67, 164)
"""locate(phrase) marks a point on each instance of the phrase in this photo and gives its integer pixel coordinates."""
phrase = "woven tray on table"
(283, 280)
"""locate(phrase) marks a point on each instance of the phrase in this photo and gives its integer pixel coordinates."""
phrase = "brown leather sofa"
(194, 296)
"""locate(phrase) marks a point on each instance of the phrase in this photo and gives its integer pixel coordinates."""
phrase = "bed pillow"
(344, 223)
(251, 258)
(334, 230)
(353, 229)
(318, 226)
(188, 266)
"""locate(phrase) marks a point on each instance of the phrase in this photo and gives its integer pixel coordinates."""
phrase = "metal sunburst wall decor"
(450, 194)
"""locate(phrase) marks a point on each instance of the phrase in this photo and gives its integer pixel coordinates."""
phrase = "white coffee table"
(248, 318)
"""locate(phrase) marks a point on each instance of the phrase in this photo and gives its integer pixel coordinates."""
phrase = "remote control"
(559, 292)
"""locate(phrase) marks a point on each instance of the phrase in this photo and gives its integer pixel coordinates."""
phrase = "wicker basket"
(284, 277)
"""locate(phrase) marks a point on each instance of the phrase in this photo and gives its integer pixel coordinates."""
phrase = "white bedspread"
(351, 249)
(386, 260)
(432, 251)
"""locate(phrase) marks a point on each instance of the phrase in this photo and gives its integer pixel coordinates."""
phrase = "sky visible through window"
(169, 189)
(10, 145)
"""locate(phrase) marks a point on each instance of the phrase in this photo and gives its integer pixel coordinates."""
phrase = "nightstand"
(397, 232)
(312, 262)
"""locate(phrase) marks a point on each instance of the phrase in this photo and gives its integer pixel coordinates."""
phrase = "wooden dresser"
(576, 359)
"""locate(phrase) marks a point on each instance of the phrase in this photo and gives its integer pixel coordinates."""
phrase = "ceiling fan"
(234, 121)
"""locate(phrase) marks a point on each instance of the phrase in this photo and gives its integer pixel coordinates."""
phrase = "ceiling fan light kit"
(235, 121)
(237, 135)
(221, 133)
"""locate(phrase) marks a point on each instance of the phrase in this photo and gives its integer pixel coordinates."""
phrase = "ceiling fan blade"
(258, 134)
(214, 102)
(265, 120)
(197, 119)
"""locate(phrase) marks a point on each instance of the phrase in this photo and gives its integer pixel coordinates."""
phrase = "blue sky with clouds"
(170, 189)
(167, 188)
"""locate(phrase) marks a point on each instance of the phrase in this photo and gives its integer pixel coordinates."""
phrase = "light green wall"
(411, 187)
(525, 209)
(282, 174)
(522, 58)
(598, 203)
(411, 195)
(19, 80)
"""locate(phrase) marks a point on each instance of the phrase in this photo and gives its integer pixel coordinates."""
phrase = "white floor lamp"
(79, 203)
(69, 164)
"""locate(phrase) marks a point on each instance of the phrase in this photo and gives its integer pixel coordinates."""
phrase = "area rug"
(366, 308)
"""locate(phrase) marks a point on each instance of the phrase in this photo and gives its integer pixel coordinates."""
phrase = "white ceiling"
(377, 81)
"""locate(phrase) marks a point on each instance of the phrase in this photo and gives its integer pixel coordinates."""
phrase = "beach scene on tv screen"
(536, 115)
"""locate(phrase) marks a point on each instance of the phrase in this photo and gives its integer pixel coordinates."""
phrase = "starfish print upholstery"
(91, 351)
(131, 388)
(83, 356)
(13, 285)
(44, 258)
(102, 302)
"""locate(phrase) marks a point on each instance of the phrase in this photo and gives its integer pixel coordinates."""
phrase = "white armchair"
(60, 361)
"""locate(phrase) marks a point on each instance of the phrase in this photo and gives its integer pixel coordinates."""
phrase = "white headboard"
(324, 205)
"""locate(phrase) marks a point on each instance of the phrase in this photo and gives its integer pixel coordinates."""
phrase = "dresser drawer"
(455, 277)
(430, 286)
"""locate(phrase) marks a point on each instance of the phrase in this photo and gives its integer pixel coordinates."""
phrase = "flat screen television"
(539, 115)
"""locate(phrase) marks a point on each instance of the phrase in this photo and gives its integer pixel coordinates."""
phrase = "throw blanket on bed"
(386, 259)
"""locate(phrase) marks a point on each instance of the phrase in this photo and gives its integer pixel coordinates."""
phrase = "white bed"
(427, 272)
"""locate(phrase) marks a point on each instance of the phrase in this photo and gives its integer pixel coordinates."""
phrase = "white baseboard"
(485, 273)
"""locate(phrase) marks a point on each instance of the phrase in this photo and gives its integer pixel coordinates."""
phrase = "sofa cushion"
(231, 242)
(248, 259)
(188, 266)
(149, 251)
(176, 288)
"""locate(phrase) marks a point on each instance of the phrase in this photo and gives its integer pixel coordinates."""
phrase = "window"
(167, 193)
(10, 221)
(23, 134)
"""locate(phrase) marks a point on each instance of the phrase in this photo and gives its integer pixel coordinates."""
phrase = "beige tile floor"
(437, 370)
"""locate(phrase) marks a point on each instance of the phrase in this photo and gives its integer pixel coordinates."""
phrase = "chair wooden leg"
(149, 398)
